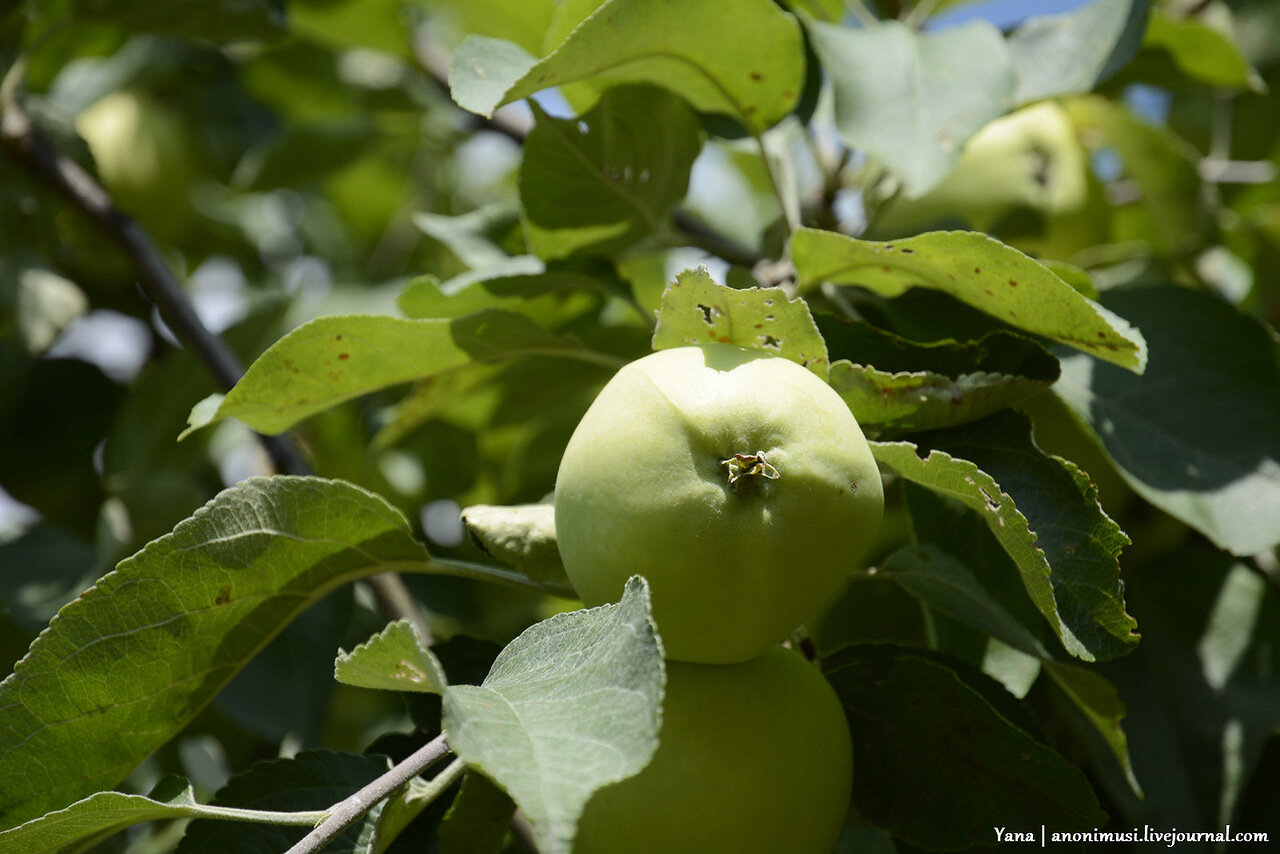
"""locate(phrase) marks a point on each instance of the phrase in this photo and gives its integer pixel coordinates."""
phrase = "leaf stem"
(788, 212)
(495, 574)
(920, 13)
(346, 812)
(861, 12)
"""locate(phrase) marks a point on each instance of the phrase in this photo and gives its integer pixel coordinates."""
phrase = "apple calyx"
(748, 470)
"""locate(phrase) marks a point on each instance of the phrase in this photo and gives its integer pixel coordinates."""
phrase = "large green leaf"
(753, 69)
(332, 359)
(609, 177)
(1198, 435)
(696, 310)
(912, 99)
(977, 270)
(102, 815)
(1070, 53)
(571, 705)
(125, 666)
(1045, 513)
(944, 756)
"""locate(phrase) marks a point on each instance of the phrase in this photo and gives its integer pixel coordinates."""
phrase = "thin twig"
(348, 811)
(920, 13)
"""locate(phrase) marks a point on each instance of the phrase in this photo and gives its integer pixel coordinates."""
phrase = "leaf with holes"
(1045, 513)
(977, 270)
(696, 310)
(753, 69)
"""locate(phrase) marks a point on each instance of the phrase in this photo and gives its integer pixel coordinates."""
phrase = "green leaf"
(522, 537)
(696, 310)
(523, 21)
(1202, 52)
(395, 659)
(100, 816)
(1045, 513)
(944, 756)
(977, 270)
(312, 780)
(946, 584)
(912, 99)
(333, 359)
(1070, 53)
(753, 69)
(1100, 703)
(1198, 435)
(571, 705)
(125, 666)
(616, 169)
(909, 401)
(477, 820)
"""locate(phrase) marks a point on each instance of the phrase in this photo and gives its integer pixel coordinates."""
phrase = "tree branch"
(348, 811)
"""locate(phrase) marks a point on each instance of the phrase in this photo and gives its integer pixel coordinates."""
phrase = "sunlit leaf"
(663, 42)
(125, 666)
(912, 99)
(977, 270)
(696, 310)
(395, 659)
(1071, 52)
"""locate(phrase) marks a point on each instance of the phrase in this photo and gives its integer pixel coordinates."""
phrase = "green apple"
(753, 757)
(1029, 159)
(737, 482)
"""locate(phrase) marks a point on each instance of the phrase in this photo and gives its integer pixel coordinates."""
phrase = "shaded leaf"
(333, 359)
(1045, 513)
(946, 584)
(909, 710)
(912, 99)
(395, 659)
(609, 177)
(696, 310)
(1202, 52)
(312, 780)
(979, 271)
(132, 660)
(1198, 435)
(663, 42)
(477, 820)
(1071, 52)
(522, 537)
(1100, 703)
(571, 705)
